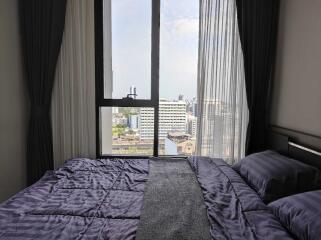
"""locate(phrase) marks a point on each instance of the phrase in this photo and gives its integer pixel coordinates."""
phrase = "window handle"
(130, 96)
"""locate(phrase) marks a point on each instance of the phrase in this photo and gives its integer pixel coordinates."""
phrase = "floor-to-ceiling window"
(146, 76)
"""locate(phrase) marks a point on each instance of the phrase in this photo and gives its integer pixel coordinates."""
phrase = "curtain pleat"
(258, 27)
(222, 106)
(73, 103)
(42, 25)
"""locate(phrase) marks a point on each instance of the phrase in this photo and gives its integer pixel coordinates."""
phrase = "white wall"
(297, 88)
(13, 104)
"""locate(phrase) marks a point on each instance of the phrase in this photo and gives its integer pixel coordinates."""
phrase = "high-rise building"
(133, 121)
(172, 118)
(194, 107)
(191, 125)
(219, 123)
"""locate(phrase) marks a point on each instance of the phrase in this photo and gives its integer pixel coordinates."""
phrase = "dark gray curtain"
(258, 27)
(42, 24)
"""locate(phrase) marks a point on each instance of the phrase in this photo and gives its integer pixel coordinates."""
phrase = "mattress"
(103, 199)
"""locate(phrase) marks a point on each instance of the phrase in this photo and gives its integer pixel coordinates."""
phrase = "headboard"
(298, 145)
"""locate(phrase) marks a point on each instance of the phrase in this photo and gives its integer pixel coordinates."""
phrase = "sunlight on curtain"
(73, 103)
(222, 105)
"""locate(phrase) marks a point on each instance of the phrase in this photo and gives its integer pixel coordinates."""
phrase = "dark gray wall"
(297, 88)
(13, 104)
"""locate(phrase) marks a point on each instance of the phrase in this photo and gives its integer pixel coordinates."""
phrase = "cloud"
(186, 27)
(178, 47)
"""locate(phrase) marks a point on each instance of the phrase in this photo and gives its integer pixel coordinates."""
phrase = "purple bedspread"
(234, 210)
(85, 199)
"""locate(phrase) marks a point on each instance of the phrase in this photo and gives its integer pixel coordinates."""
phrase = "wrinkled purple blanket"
(234, 210)
(102, 199)
(85, 199)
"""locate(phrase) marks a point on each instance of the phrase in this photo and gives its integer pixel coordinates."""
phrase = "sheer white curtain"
(73, 103)
(222, 105)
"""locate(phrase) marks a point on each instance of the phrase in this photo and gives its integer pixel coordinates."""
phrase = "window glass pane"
(179, 25)
(127, 48)
(127, 130)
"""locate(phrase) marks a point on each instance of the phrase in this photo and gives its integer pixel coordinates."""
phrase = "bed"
(194, 198)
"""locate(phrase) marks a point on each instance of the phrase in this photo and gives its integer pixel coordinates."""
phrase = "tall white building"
(172, 118)
(220, 128)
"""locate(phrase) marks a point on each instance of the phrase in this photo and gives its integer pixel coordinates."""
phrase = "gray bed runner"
(173, 204)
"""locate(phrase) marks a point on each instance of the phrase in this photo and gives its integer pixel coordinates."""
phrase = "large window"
(146, 65)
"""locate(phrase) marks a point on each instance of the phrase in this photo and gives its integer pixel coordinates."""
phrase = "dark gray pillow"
(274, 176)
(300, 214)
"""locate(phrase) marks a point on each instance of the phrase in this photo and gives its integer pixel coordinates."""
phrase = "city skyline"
(133, 129)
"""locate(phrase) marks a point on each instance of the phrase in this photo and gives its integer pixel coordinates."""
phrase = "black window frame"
(126, 102)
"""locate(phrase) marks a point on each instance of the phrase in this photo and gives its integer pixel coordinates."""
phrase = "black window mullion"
(155, 69)
(99, 69)
(126, 103)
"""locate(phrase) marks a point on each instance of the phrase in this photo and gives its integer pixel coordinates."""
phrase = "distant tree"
(118, 130)
(127, 111)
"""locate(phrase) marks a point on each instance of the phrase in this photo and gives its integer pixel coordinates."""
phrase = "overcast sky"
(131, 45)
